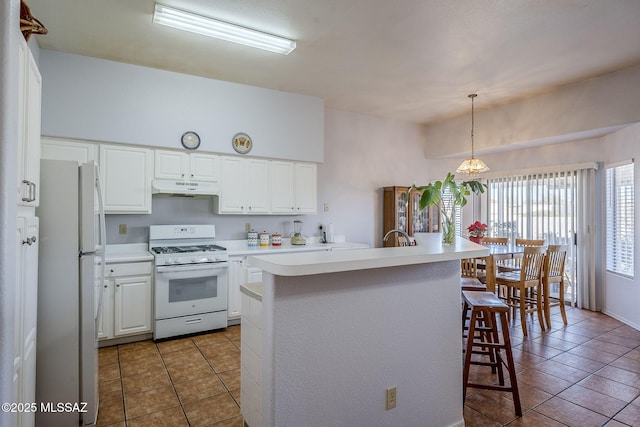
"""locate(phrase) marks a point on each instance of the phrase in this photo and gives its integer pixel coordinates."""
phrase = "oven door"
(190, 289)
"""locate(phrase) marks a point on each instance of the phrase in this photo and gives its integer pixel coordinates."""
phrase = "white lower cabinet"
(239, 273)
(127, 300)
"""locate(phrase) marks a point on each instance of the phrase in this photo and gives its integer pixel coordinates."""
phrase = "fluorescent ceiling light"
(188, 21)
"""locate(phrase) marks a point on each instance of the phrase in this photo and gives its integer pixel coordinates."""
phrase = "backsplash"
(189, 210)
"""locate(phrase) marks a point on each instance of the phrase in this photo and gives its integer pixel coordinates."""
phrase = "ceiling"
(409, 60)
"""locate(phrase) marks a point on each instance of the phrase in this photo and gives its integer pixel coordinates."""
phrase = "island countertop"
(430, 249)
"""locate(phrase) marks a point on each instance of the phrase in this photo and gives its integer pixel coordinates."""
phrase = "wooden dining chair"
(495, 240)
(523, 286)
(529, 242)
(516, 262)
(553, 273)
(468, 267)
(491, 241)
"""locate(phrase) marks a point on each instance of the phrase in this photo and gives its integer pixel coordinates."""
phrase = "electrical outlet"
(326, 207)
(247, 226)
(391, 397)
(122, 229)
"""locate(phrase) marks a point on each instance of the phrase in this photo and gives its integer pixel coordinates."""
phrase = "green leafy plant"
(433, 194)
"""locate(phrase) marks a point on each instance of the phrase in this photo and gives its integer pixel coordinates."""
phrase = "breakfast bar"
(327, 333)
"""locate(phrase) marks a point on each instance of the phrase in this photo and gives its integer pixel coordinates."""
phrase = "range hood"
(185, 188)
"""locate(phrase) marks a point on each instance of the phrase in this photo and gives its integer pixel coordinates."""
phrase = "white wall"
(607, 101)
(621, 294)
(94, 99)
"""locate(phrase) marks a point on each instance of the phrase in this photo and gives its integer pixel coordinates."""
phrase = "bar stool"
(486, 338)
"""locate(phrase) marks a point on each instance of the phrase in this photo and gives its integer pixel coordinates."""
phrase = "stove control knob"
(194, 259)
(176, 261)
(168, 261)
(218, 258)
(211, 259)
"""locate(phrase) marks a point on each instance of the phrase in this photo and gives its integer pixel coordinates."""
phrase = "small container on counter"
(276, 239)
(252, 239)
(264, 239)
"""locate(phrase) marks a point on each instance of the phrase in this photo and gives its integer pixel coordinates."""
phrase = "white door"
(132, 298)
(306, 188)
(232, 188)
(282, 187)
(170, 165)
(204, 167)
(258, 196)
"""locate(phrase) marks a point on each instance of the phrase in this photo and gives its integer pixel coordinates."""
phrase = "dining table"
(498, 254)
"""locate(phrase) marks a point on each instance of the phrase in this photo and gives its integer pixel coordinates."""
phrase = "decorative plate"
(190, 140)
(242, 143)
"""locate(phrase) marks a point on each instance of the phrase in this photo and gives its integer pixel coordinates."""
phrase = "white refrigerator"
(70, 280)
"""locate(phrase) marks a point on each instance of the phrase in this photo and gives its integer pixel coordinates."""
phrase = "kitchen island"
(328, 332)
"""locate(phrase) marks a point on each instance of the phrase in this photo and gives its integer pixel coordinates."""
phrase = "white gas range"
(190, 279)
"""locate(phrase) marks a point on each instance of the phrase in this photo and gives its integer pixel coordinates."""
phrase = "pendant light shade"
(472, 166)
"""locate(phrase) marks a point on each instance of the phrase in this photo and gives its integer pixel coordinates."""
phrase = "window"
(620, 214)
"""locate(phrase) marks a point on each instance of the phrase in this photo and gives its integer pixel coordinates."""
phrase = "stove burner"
(186, 249)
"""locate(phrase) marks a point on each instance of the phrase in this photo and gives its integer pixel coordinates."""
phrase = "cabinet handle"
(182, 175)
(31, 196)
(29, 241)
(118, 285)
(191, 175)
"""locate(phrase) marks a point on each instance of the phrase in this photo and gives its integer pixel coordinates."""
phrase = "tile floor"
(584, 374)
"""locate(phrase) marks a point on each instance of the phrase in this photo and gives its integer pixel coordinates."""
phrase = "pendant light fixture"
(472, 166)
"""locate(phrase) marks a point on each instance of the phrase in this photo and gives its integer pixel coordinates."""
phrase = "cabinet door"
(233, 288)
(132, 297)
(282, 187)
(171, 165)
(17, 313)
(126, 177)
(231, 199)
(29, 104)
(204, 167)
(59, 149)
(256, 189)
(105, 328)
(306, 188)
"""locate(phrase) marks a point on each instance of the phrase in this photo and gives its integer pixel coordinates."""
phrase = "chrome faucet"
(396, 230)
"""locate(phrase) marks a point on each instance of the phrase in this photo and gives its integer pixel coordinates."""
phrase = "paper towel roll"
(330, 233)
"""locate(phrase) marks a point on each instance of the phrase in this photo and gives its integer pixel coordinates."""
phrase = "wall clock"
(242, 143)
(190, 140)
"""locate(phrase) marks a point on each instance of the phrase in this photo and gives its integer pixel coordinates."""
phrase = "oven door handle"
(191, 267)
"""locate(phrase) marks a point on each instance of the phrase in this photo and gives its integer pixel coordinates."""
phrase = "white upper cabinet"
(29, 104)
(294, 187)
(244, 186)
(61, 149)
(127, 173)
(176, 165)
(306, 188)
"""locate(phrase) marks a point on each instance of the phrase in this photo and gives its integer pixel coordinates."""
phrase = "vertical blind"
(556, 206)
(620, 219)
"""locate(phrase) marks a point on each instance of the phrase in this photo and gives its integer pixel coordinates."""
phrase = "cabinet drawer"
(128, 269)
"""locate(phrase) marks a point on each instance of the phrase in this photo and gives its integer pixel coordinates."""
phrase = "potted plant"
(477, 231)
(432, 194)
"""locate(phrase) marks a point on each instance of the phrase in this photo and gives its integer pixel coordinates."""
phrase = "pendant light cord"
(472, 96)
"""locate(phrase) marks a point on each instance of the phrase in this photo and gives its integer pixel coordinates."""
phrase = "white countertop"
(129, 252)
(240, 247)
(307, 263)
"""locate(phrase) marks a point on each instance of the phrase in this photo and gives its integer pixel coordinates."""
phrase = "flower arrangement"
(477, 229)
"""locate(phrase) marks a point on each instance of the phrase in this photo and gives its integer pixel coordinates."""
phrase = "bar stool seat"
(486, 338)
(472, 284)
